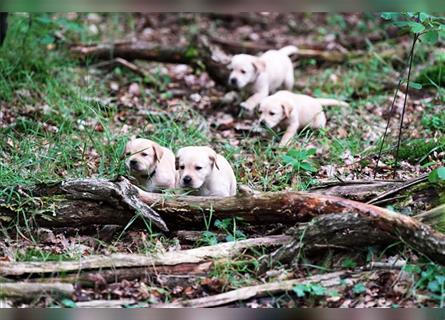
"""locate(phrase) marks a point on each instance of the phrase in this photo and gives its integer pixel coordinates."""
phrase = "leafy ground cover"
(61, 119)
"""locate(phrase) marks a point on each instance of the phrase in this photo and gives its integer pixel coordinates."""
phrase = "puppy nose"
(187, 179)
(233, 81)
(263, 123)
(133, 163)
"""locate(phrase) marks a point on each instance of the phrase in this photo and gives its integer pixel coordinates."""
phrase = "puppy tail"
(332, 103)
(289, 50)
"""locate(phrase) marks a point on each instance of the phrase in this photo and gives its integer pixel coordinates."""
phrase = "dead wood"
(199, 52)
(77, 203)
(398, 189)
(121, 303)
(330, 281)
(236, 47)
(381, 192)
(80, 203)
(356, 190)
(192, 261)
(26, 291)
(434, 217)
(194, 236)
(355, 230)
(165, 275)
(124, 63)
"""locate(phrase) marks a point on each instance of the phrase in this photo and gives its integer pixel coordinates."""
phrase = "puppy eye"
(198, 168)
(243, 71)
(260, 112)
(127, 153)
(182, 167)
(272, 113)
(144, 154)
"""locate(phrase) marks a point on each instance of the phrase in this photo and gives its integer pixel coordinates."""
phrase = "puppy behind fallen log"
(205, 172)
(151, 165)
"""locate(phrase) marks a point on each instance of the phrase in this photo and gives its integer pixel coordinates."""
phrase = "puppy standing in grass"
(293, 112)
(266, 73)
(151, 165)
(205, 171)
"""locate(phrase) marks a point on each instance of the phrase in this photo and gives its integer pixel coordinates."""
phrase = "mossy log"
(99, 202)
(355, 230)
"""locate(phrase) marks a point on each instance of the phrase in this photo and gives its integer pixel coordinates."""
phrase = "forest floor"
(62, 119)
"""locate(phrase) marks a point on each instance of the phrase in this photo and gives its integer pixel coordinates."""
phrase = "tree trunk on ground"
(26, 291)
(352, 230)
(76, 203)
(329, 281)
(213, 59)
(417, 193)
(201, 50)
(194, 261)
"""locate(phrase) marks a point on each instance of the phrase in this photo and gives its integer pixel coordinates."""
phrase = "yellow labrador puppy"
(266, 73)
(205, 171)
(151, 165)
(293, 112)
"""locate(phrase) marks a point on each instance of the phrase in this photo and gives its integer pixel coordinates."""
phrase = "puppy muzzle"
(135, 167)
(187, 181)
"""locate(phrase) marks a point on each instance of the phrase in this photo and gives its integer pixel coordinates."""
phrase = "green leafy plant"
(300, 159)
(430, 28)
(431, 277)
(313, 289)
(229, 227)
(349, 263)
(68, 303)
(437, 175)
(359, 288)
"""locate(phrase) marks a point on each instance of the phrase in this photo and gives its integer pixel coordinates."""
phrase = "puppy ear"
(158, 152)
(287, 109)
(259, 65)
(212, 158)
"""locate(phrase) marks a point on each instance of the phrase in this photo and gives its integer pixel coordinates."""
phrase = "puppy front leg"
(261, 89)
(288, 135)
(254, 100)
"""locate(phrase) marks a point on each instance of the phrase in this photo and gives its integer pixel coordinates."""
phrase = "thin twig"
(411, 56)
(394, 191)
(391, 110)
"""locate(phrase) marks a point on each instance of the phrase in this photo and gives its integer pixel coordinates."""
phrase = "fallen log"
(82, 202)
(121, 303)
(199, 52)
(356, 190)
(26, 291)
(416, 193)
(236, 47)
(434, 216)
(330, 281)
(355, 230)
(183, 261)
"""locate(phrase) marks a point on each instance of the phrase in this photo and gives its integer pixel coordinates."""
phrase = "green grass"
(58, 124)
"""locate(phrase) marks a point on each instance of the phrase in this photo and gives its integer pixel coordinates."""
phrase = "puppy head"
(244, 69)
(273, 112)
(194, 165)
(142, 155)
